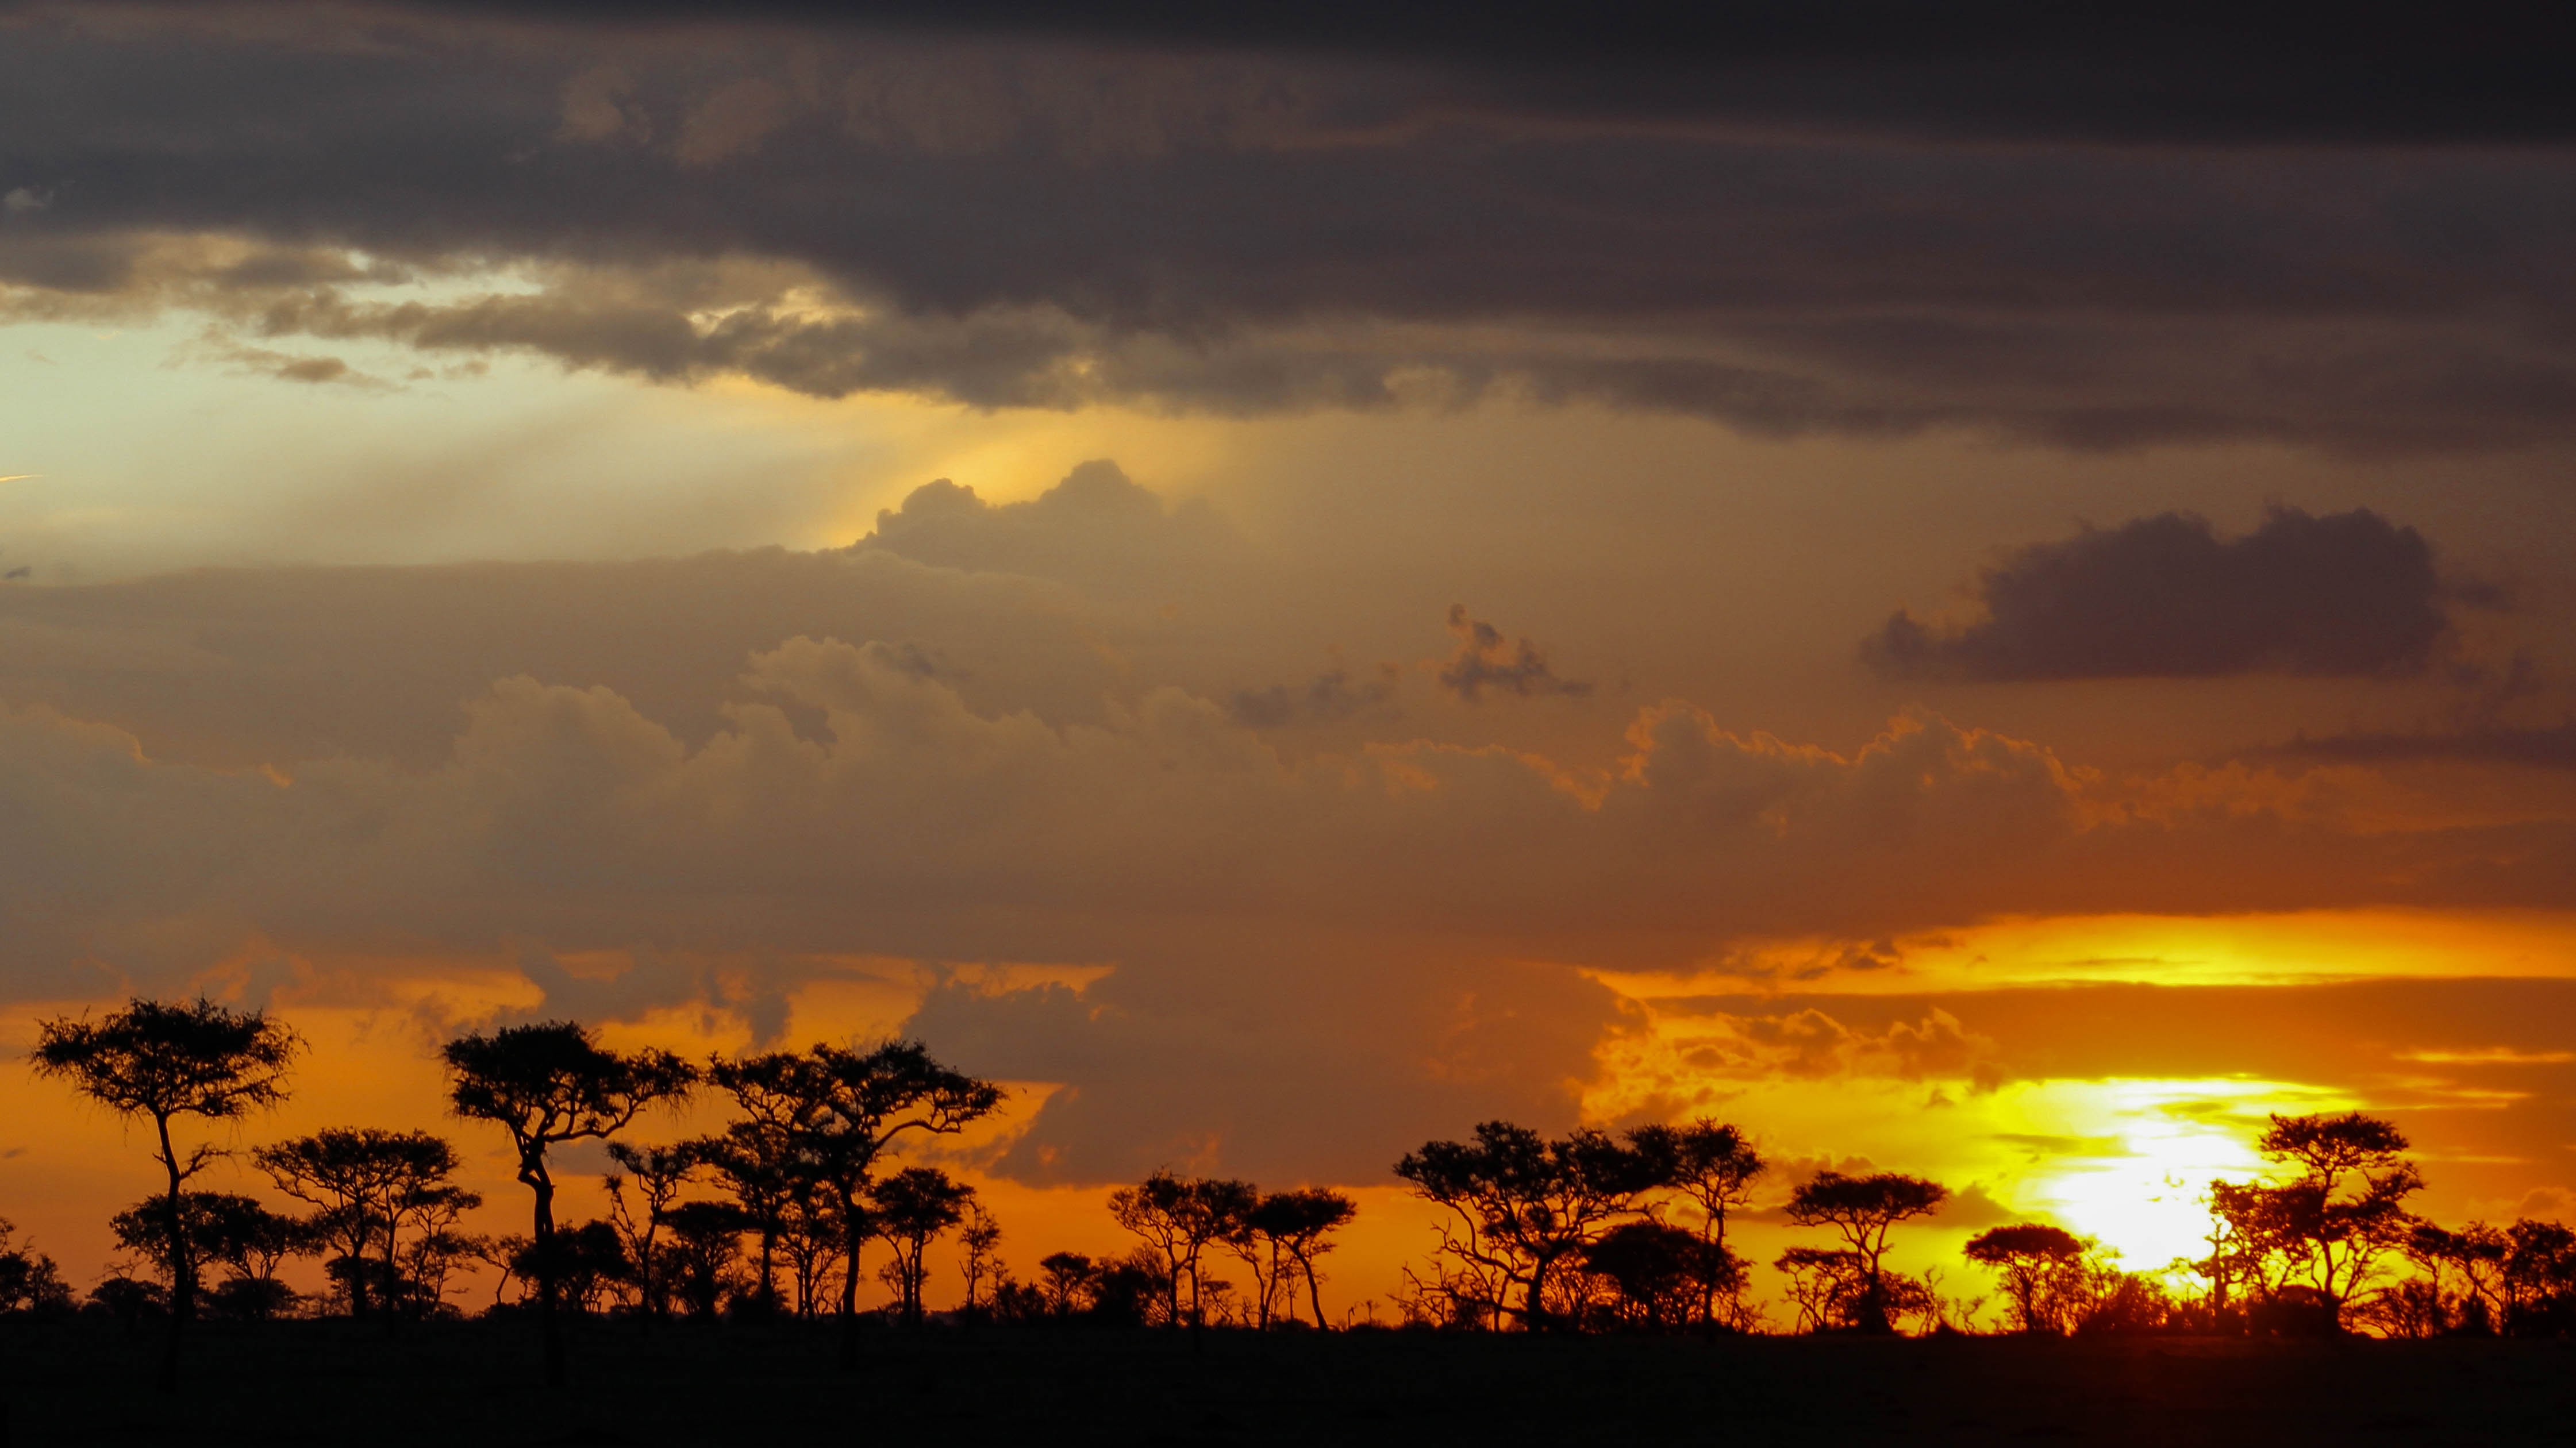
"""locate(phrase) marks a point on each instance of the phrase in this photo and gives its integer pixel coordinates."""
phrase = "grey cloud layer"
(2166, 597)
(1015, 221)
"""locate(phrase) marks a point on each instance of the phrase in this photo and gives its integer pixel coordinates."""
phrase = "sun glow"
(2131, 1161)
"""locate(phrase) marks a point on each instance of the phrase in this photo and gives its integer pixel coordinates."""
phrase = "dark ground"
(323, 1382)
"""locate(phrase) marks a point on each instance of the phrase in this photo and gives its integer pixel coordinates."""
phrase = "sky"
(1982, 593)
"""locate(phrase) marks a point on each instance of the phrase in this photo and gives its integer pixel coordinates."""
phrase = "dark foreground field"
(298, 1383)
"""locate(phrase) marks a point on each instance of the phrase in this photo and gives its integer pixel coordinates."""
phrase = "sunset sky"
(1972, 595)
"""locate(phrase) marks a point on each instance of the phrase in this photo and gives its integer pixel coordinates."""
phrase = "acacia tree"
(548, 1084)
(2031, 1261)
(1300, 1223)
(364, 1184)
(979, 1258)
(844, 1108)
(1181, 1217)
(705, 1239)
(757, 1161)
(29, 1280)
(659, 1172)
(1521, 1206)
(1657, 1268)
(1862, 1210)
(222, 1227)
(1713, 1167)
(2346, 1209)
(912, 1207)
(162, 1061)
(1065, 1277)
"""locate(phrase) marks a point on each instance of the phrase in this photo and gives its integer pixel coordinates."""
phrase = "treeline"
(1592, 1231)
(774, 1214)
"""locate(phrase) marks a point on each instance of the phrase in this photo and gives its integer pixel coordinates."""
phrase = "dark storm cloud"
(2000, 67)
(2166, 597)
(1077, 213)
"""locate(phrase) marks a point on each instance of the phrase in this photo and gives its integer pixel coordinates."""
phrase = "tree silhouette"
(222, 1228)
(2031, 1261)
(659, 1174)
(582, 1262)
(1713, 1167)
(364, 1183)
(979, 1258)
(756, 1161)
(2337, 1220)
(2237, 1251)
(129, 1300)
(1862, 1210)
(1301, 1223)
(1066, 1281)
(1136, 1290)
(1659, 1270)
(705, 1239)
(810, 1238)
(1180, 1218)
(1825, 1283)
(161, 1061)
(911, 1208)
(545, 1085)
(2540, 1279)
(1521, 1206)
(841, 1110)
(29, 1280)
(2460, 1286)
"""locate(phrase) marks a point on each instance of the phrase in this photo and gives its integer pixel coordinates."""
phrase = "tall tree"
(659, 1173)
(548, 1084)
(1523, 1207)
(363, 1182)
(1301, 1222)
(845, 1108)
(2345, 1210)
(706, 1237)
(1713, 1167)
(1862, 1210)
(2032, 1262)
(979, 1257)
(757, 1161)
(161, 1061)
(1066, 1277)
(912, 1207)
(1181, 1217)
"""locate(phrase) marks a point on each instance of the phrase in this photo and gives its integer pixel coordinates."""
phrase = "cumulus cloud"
(1484, 660)
(1375, 925)
(1810, 1044)
(1097, 527)
(2166, 597)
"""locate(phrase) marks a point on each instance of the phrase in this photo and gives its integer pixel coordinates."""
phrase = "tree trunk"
(183, 1275)
(548, 1326)
(768, 1267)
(393, 1273)
(1314, 1293)
(850, 1281)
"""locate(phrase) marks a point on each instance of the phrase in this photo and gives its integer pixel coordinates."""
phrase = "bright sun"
(2148, 1151)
